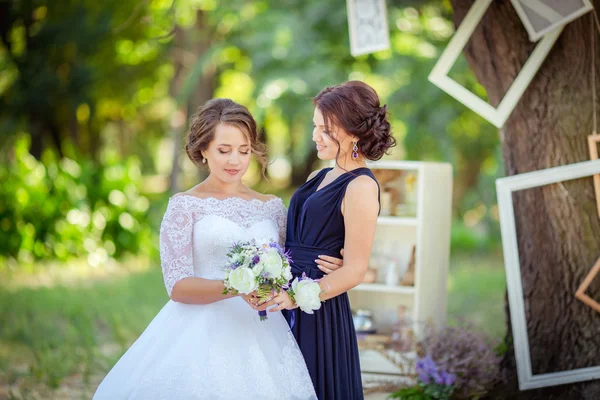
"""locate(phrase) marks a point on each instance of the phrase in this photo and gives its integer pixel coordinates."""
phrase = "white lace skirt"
(214, 351)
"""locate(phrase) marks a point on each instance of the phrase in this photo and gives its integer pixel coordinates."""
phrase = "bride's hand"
(283, 301)
(329, 264)
(251, 299)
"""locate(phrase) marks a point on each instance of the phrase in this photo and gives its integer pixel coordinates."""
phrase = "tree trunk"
(197, 41)
(206, 85)
(175, 124)
(557, 225)
(467, 177)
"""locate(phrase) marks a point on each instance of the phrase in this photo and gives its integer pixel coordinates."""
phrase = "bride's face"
(327, 147)
(229, 153)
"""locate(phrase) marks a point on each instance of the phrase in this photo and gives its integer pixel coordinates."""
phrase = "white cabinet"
(422, 220)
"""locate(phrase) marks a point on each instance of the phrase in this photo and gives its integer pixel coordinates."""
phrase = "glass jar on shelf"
(408, 206)
(402, 332)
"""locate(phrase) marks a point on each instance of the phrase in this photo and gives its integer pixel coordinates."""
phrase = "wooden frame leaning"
(505, 188)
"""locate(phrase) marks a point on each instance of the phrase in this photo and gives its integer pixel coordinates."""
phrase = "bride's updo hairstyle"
(354, 106)
(211, 114)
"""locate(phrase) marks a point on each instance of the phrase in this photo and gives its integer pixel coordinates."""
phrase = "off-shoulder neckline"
(232, 198)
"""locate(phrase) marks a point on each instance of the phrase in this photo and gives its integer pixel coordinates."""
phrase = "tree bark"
(175, 124)
(197, 40)
(557, 225)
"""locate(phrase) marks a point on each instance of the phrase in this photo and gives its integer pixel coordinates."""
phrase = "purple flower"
(255, 259)
(427, 369)
(467, 356)
(427, 364)
(438, 378)
(448, 378)
(424, 377)
(303, 277)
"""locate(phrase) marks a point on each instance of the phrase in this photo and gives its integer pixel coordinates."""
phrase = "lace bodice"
(196, 233)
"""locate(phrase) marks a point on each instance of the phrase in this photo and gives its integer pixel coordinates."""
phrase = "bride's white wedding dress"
(214, 351)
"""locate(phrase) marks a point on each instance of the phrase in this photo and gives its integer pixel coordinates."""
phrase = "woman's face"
(229, 153)
(327, 148)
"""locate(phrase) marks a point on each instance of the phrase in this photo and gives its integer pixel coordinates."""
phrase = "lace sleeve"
(176, 252)
(280, 216)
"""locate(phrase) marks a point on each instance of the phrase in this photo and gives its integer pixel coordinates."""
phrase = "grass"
(49, 333)
(80, 328)
(476, 289)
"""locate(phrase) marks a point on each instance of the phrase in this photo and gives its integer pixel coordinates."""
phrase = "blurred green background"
(94, 103)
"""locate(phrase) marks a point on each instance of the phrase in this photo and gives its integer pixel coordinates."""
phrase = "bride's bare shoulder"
(264, 197)
(193, 193)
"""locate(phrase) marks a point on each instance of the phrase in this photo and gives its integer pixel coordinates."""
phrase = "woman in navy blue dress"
(336, 209)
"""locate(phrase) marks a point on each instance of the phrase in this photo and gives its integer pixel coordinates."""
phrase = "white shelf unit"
(429, 231)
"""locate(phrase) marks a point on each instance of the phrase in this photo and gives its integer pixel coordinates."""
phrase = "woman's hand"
(329, 264)
(251, 299)
(283, 301)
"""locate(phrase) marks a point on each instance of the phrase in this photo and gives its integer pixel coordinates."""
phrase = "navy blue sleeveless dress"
(326, 338)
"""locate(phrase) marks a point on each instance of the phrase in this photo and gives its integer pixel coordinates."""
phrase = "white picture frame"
(505, 188)
(542, 16)
(367, 26)
(439, 74)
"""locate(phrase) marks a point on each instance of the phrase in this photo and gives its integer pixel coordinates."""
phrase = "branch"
(174, 28)
(134, 14)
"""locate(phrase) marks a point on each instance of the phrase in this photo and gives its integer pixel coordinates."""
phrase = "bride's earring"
(355, 150)
(203, 160)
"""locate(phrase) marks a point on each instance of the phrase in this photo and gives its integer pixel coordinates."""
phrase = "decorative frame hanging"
(542, 16)
(367, 26)
(439, 74)
(505, 188)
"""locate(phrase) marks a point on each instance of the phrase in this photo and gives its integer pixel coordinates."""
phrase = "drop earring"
(355, 150)
(203, 160)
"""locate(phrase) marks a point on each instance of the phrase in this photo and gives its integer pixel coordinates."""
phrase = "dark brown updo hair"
(226, 111)
(354, 106)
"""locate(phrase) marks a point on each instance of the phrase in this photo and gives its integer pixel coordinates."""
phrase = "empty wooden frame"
(593, 141)
(580, 293)
(439, 74)
(542, 16)
(505, 188)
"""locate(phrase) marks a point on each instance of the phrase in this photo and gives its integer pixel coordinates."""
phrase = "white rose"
(247, 260)
(272, 264)
(287, 273)
(243, 280)
(236, 258)
(258, 269)
(306, 294)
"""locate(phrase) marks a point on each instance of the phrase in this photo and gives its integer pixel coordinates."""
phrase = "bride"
(203, 344)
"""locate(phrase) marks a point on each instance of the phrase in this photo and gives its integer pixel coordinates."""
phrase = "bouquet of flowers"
(262, 266)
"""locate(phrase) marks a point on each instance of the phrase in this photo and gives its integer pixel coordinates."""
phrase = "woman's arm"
(176, 255)
(360, 209)
(199, 291)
